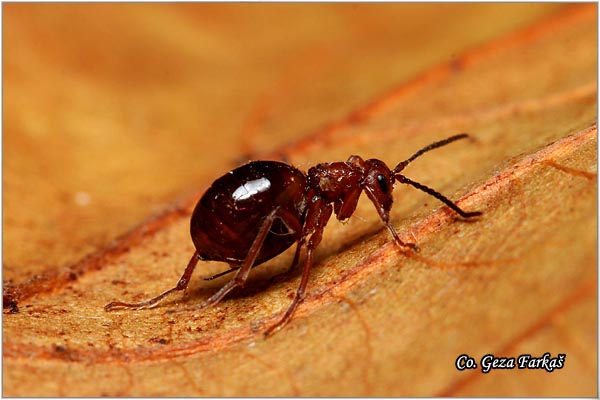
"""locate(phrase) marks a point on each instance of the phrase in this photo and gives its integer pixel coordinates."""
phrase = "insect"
(257, 211)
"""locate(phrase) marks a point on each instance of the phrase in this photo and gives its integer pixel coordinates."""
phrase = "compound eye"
(383, 184)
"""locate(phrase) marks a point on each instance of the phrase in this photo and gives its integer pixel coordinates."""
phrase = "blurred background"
(113, 111)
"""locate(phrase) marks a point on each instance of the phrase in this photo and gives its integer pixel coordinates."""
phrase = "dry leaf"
(376, 322)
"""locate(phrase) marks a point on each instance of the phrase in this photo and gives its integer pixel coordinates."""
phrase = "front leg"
(384, 214)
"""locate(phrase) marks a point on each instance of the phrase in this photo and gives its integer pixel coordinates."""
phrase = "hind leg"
(243, 272)
(182, 284)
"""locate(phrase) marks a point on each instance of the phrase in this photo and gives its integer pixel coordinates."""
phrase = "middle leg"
(315, 221)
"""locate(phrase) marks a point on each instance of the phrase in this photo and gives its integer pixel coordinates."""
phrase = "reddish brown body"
(257, 211)
(227, 218)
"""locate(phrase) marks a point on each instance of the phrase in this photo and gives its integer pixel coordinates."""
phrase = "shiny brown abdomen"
(227, 218)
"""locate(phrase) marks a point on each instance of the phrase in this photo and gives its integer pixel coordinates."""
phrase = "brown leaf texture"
(520, 279)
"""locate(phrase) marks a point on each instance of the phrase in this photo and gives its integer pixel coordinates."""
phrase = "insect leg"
(296, 255)
(242, 273)
(182, 284)
(347, 205)
(294, 227)
(220, 274)
(385, 217)
(319, 221)
(283, 275)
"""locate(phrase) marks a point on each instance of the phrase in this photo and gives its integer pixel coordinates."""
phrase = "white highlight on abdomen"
(251, 188)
